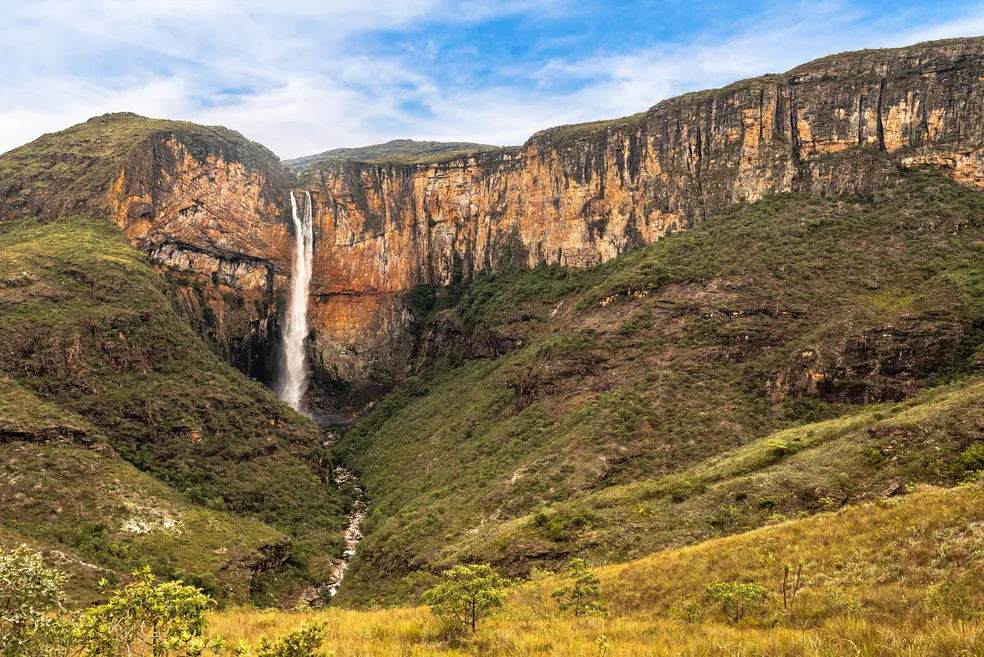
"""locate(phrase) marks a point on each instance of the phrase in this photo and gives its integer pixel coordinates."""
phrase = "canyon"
(214, 214)
(596, 317)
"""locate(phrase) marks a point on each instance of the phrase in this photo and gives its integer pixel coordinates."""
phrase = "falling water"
(294, 380)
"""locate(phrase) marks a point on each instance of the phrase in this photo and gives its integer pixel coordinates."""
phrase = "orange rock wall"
(583, 195)
(215, 226)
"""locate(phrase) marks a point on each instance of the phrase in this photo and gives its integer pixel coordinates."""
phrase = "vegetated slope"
(892, 577)
(92, 351)
(72, 171)
(396, 148)
(603, 432)
(64, 490)
(203, 203)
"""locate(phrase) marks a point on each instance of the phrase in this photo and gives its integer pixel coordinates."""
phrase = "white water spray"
(294, 380)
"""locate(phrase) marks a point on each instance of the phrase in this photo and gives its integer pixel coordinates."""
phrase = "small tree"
(466, 594)
(143, 619)
(303, 641)
(29, 594)
(735, 599)
(582, 596)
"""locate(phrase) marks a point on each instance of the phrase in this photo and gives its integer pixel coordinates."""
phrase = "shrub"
(466, 594)
(144, 619)
(303, 641)
(29, 592)
(972, 459)
(735, 599)
(582, 596)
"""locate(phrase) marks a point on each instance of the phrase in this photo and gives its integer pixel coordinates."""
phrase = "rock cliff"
(580, 195)
(209, 206)
(205, 204)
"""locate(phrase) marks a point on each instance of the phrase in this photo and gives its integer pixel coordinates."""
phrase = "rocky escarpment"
(213, 221)
(205, 204)
(208, 206)
(580, 195)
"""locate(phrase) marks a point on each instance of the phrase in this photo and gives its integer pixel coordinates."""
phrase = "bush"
(972, 459)
(29, 593)
(734, 599)
(144, 619)
(466, 594)
(303, 641)
(582, 596)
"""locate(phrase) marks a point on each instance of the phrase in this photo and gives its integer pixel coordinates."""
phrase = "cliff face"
(209, 206)
(581, 195)
(205, 204)
(215, 225)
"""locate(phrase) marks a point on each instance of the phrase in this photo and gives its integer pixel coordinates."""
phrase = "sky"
(304, 76)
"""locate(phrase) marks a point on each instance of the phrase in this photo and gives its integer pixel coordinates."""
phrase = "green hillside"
(686, 390)
(88, 328)
(70, 171)
(887, 578)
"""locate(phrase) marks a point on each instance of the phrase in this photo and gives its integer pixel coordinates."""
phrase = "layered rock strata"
(581, 195)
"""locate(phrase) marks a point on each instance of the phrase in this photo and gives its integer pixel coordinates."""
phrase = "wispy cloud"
(305, 75)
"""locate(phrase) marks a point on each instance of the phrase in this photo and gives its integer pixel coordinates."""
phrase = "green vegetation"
(397, 150)
(29, 592)
(736, 599)
(899, 577)
(144, 619)
(582, 594)
(465, 595)
(886, 578)
(74, 168)
(95, 362)
(766, 363)
(302, 641)
(565, 136)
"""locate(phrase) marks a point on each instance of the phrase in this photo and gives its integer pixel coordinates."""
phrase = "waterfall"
(294, 379)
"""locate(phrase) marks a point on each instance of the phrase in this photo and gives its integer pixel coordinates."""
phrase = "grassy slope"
(899, 577)
(397, 149)
(88, 328)
(598, 435)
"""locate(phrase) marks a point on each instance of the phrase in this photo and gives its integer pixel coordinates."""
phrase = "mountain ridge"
(393, 150)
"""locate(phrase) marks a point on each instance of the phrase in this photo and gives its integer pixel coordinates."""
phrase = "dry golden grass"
(412, 632)
(893, 577)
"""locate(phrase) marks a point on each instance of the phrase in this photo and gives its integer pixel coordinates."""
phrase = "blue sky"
(302, 76)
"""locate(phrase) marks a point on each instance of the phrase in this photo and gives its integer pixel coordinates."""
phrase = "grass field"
(899, 576)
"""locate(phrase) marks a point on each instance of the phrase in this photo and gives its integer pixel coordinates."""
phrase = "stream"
(343, 480)
(353, 532)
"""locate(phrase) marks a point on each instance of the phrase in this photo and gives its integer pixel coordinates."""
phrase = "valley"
(734, 337)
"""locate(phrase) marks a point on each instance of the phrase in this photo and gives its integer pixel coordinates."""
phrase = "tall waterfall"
(294, 379)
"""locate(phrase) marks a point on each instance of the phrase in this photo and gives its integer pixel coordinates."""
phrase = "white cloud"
(298, 76)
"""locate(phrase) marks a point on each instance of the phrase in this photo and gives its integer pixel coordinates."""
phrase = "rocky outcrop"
(205, 204)
(581, 195)
(214, 223)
